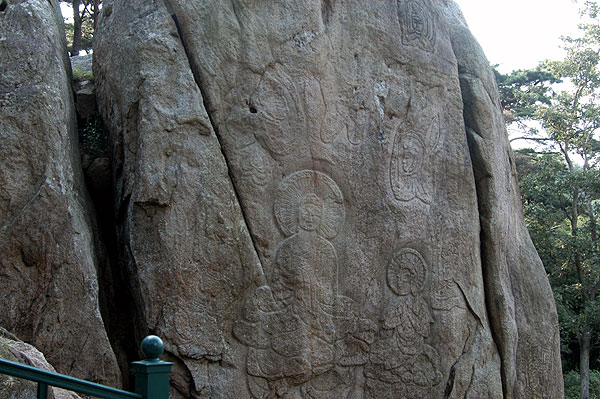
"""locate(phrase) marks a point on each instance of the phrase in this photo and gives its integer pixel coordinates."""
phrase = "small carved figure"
(410, 168)
(450, 255)
(402, 361)
(360, 118)
(256, 172)
(418, 27)
(446, 292)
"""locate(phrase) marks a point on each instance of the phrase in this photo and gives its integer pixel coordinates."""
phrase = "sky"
(518, 34)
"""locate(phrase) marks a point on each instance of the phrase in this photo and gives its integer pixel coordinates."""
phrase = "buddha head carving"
(310, 212)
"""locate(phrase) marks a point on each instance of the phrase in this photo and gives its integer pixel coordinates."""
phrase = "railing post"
(42, 391)
(152, 374)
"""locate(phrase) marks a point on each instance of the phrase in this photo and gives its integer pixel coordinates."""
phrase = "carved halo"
(298, 185)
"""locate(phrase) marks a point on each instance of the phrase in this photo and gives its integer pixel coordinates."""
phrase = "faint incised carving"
(279, 111)
(299, 330)
(256, 171)
(410, 164)
(418, 25)
(451, 256)
(358, 124)
(537, 366)
(402, 361)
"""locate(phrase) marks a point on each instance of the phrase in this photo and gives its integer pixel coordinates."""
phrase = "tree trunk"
(584, 364)
(76, 29)
(95, 13)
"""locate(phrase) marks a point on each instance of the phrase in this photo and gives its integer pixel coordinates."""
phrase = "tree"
(80, 32)
(561, 187)
(547, 187)
(522, 91)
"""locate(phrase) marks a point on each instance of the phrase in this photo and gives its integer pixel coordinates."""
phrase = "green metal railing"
(151, 376)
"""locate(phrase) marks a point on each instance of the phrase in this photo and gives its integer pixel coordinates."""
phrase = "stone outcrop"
(182, 235)
(13, 349)
(311, 199)
(83, 85)
(317, 200)
(519, 298)
(82, 64)
(49, 252)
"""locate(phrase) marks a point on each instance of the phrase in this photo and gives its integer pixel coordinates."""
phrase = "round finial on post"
(152, 347)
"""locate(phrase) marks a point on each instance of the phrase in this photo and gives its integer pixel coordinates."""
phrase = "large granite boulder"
(49, 254)
(316, 199)
(15, 350)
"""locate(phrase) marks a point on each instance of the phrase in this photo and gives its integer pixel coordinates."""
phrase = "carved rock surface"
(48, 252)
(316, 200)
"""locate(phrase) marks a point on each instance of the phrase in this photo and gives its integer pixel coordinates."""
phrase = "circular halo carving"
(298, 186)
(406, 272)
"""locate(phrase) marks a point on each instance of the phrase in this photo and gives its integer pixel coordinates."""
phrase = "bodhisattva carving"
(279, 112)
(304, 338)
(288, 201)
(403, 365)
(418, 25)
(410, 164)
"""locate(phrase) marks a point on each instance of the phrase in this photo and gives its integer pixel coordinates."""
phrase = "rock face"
(310, 199)
(520, 302)
(11, 348)
(317, 200)
(48, 249)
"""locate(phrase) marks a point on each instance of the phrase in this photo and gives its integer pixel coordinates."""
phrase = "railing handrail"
(151, 376)
(63, 381)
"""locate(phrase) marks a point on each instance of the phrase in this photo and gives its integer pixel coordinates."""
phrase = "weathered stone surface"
(85, 98)
(48, 255)
(13, 349)
(83, 86)
(315, 200)
(182, 234)
(82, 63)
(520, 301)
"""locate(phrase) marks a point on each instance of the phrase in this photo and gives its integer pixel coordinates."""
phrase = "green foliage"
(572, 384)
(523, 90)
(87, 34)
(93, 140)
(80, 73)
(560, 184)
